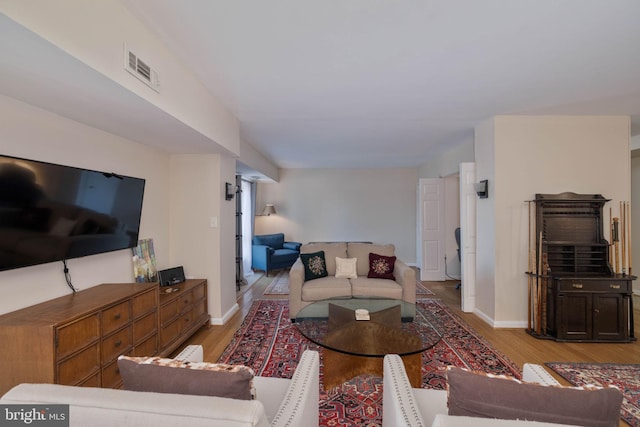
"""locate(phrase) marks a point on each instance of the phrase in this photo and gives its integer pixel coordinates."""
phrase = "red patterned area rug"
(625, 377)
(280, 286)
(269, 343)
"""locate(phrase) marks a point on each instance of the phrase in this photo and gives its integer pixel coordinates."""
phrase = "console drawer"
(169, 311)
(622, 286)
(116, 317)
(169, 333)
(144, 304)
(116, 344)
(79, 366)
(111, 375)
(144, 327)
(149, 347)
(76, 335)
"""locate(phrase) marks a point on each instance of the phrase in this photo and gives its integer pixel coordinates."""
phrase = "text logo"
(34, 415)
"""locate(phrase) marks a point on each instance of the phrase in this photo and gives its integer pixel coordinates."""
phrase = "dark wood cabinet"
(588, 309)
(582, 298)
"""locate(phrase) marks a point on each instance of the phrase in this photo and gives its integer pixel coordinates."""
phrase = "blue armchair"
(271, 252)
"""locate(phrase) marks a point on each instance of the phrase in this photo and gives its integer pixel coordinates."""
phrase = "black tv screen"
(51, 212)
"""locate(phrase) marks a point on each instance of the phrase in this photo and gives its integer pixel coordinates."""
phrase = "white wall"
(197, 197)
(95, 32)
(538, 154)
(486, 221)
(32, 133)
(376, 205)
(255, 160)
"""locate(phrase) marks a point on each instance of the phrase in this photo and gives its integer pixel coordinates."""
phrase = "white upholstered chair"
(404, 406)
(280, 402)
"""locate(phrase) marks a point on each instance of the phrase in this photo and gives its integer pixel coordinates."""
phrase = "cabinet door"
(609, 317)
(575, 316)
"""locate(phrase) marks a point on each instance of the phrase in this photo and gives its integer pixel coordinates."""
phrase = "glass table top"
(387, 327)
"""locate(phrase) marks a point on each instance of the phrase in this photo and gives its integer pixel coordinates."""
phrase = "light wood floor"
(514, 343)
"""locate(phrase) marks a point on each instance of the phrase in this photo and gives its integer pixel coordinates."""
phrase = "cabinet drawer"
(623, 286)
(79, 366)
(116, 344)
(186, 321)
(185, 301)
(169, 333)
(199, 292)
(169, 311)
(149, 347)
(199, 309)
(144, 327)
(76, 335)
(144, 303)
(93, 381)
(111, 375)
(116, 317)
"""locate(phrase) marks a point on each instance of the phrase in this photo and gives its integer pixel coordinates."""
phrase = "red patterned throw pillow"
(381, 267)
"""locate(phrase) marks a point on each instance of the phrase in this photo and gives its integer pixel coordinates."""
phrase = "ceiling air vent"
(141, 70)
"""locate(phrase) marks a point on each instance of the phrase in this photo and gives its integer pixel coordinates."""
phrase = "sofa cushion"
(315, 265)
(276, 241)
(363, 287)
(175, 376)
(346, 268)
(361, 252)
(485, 396)
(381, 267)
(325, 288)
(331, 251)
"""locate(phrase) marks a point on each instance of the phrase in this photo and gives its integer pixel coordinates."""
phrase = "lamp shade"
(268, 209)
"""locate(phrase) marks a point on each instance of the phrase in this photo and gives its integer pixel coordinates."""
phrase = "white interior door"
(432, 233)
(468, 236)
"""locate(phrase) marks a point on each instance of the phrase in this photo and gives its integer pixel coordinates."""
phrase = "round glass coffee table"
(357, 333)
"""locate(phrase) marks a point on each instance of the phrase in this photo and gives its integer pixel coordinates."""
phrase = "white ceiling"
(389, 83)
(354, 83)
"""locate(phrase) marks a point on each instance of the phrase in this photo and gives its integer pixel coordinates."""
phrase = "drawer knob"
(576, 285)
(117, 316)
(612, 286)
(118, 343)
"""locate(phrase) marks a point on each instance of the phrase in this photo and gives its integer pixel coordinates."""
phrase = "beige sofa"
(280, 402)
(303, 293)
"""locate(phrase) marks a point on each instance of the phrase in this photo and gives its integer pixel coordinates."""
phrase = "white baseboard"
(221, 321)
(506, 324)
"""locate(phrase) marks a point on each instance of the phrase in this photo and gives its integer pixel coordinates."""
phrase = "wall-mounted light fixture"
(230, 191)
(268, 210)
(482, 188)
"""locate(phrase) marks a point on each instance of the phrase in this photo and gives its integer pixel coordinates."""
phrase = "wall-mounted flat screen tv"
(52, 212)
